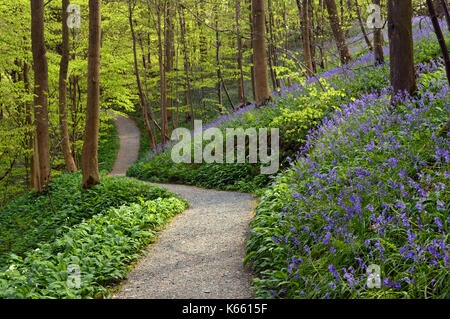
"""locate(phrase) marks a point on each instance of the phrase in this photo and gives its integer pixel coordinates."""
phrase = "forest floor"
(200, 254)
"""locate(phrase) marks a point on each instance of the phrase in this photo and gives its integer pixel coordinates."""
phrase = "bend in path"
(128, 153)
(200, 253)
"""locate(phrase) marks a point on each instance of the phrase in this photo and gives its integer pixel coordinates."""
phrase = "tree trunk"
(91, 176)
(138, 80)
(401, 46)
(341, 42)
(64, 65)
(378, 41)
(303, 9)
(169, 52)
(440, 38)
(272, 52)
(361, 24)
(162, 76)
(312, 36)
(262, 90)
(40, 68)
(219, 71)
(187, 84)
(242, 100)
(252, 57)
(447, 15)
(29, 123)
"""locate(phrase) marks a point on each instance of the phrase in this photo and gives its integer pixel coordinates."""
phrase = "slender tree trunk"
(252, 57)
(323, 61)
(73, 84)
(89, 163)
(40, 67)
(361, 24)
(164, 124)
(312, 35)
(378, 42)
(219, 71)
(187, 84)
(272, 51)
(446, 13)
(303, 8)
(242, 100)
(29, 123)
(259, 45)
(169, 51)
(401, 46)
(64, 65)
(138, 80)
(440, 37)
(341, 42)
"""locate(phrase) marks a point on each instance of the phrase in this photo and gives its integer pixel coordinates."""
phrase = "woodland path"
(200, 253)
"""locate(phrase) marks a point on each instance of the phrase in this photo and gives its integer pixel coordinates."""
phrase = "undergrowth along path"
(200, 254)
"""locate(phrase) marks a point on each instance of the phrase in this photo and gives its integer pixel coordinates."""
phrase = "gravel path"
(200, 253)
(129, 145)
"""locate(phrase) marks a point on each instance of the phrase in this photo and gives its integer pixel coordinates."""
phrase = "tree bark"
(162, 76)
(169, 52)
(272, 51)
(252, 57)
(29, 141)
(63, 68)
(440, 37)
(91, 176)
(303, 8)
(187, 80)
(219, 70)
(341, 42)
(242, 100)
(401, 46)
(262, 90)
(378, 41)
(138, 80)
(40, 67)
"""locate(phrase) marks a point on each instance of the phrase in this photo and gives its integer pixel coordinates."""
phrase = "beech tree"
(341, 42)
(378, 41)
(41, 170)
(63, 70)
(403, 77)
(91, 176)
(262, 90)
(303, 8)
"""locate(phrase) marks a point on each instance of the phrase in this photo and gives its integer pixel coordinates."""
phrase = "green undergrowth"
(30, 220)
(87, 259)
(108, 146)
